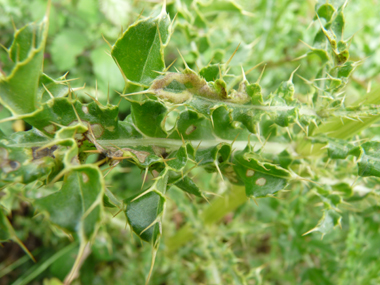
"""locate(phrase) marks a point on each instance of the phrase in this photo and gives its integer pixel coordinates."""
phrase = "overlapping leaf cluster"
(180, 121)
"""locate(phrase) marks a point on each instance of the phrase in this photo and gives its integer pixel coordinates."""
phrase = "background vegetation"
(256, 243)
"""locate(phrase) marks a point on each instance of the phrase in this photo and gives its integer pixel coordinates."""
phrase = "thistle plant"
(184, 121)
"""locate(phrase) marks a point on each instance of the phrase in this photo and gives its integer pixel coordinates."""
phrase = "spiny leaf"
(369, 164)
(18, 91)
(77, 207)
(8, 233)
(329, 220)
(139, 52)
(259, 178)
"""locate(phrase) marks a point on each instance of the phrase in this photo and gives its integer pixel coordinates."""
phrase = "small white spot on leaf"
(50, 129)
(250, 173)
(85, 177)
(79, 137)
(190, 129)
(261, 181)
(85, 109)
(111, 128)
(97, 130)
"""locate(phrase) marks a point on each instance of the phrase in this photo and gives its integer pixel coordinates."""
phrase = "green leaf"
(338, 23)
(192, 125)
(51, 87)
(139, 52)
(260, 178)
(210, 72)
(24, 164)
(148, 117)
(213, 156)
(327, 223)
(77, 207)
(326, 11)
(187, 184)
(8, 233)
(143, 213)
(369, 164)
(103, 120)
(18, 90)
(178, 159)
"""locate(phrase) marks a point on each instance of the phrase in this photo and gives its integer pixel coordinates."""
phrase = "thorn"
(299, 124)
(92, 151)
(327, 162)
(261, 74)
(159, 34)
(235, 139)
(137, 93)
(210, 61)
(217, 167)
(233, 54)
(78, 88)
(175, 18)
(353, 183)
(145, 175)
(5, 49)
(310, 231)
(308, 27)
(109, 45)
(138, 17)
(100, 162)
(252, 68)
(109, 170)
(300, 57)
(121, 70)
(220, 72)
(184, 62)
(76, 114)
(13, 25)
(159, 72)
(310, 47)
(142, 194)
(212, 122)
(96, 101)
(266, 140)
(47, 90)
(117, 213)
(258, 133)
(287, 129)
(154, 252)
(243, 73)
(170, 65)
(163, 11)
(147, 228)
(198, 147)
(254, 200)
(291, 76)
(68, 80)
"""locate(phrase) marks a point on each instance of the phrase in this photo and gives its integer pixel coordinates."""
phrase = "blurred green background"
(257, 244)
